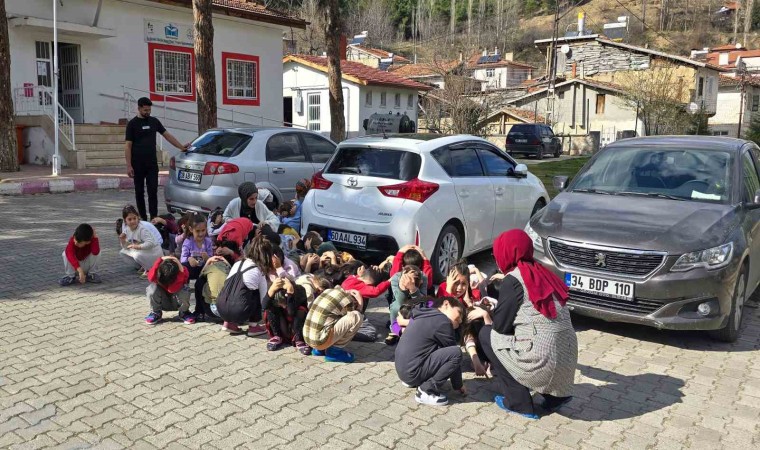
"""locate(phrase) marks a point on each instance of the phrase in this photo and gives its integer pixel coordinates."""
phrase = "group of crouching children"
(251, 267)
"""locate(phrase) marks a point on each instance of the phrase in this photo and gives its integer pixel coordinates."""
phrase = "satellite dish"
(692, 108)
(565, 49)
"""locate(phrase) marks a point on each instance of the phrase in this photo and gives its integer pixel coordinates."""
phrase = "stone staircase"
(103, 145)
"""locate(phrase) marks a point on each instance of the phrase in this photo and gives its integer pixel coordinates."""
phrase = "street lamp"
(56, 155)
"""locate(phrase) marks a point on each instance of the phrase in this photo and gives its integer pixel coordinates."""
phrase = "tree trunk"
(469, 17)
(333, 31)
(736, 20)
(205, 75)
(453, 18)
(748, 19)
(8, 156)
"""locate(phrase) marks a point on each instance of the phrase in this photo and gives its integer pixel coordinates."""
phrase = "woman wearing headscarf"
(531, 344)
(250, 206)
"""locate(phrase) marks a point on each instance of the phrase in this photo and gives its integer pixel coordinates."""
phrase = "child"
(293, 217)
(255, 268)
(313, 285)
(139, 246)
(428, 353)
(367, 281)
(332, 322)
(215, 222)
(284, 266)
(80, 258)
(183, 231)
(285, 312)
(409, 287)
(310, 243)
(166, 290)
(195, 252)
(457, 285)
(167, 227)
(412, 255)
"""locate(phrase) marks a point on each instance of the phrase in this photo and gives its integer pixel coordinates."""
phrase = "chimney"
(496, 50)
(575, 69)
(461, 57)
(343, 45)
(581, 23)
(485, 52)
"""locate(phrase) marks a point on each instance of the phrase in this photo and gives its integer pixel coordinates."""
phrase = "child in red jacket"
(412, 255)
(80, 259)
(167, 292)
(367, 282)
(459, 285)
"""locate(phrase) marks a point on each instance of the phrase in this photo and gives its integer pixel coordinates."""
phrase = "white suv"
(451, 195)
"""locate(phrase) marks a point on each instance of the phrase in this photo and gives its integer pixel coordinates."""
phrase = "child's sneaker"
(335, 354)
(153, 318)
(315, 352)
(232, 328)
(94, 278)
(303, 348)
(274, 343)
(499, 399)
(407, 385)
(391, 339)
(67, 281)
(255, 329)
(143, 274)
(431, 399)
(187, 317)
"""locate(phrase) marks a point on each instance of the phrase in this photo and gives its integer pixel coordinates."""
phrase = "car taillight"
(416, 190)
(319, 182)
(535, 141)
(172, 163)
(219, 168)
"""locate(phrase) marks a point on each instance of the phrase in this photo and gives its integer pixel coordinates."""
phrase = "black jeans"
(443, 364)
(146, 172)
(516, 396)
(195, 274)
(288, 328)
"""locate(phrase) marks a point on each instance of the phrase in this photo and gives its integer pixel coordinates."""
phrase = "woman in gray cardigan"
(531, 344)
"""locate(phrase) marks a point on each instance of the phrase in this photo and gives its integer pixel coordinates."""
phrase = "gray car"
(208, 175)
(661, 231)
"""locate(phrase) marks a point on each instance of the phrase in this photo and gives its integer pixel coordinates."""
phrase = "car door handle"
(499, 191)
(464, 194)
(278, 170)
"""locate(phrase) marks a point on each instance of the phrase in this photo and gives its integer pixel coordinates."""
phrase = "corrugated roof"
(477, 61)
(520, 114)
(423, 70)
(382, 54)
(358, 72)
(248, 9)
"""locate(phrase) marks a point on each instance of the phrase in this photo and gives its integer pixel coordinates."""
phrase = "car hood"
(637, 223)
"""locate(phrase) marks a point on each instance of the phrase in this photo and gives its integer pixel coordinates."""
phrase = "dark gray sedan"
(661, 231)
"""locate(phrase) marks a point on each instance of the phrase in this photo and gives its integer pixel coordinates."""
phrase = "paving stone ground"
(80, 369)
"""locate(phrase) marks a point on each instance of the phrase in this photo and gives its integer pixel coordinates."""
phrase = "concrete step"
(96, 154)
(115, 147)
(99, 129)
(113, 138)
(106, 162)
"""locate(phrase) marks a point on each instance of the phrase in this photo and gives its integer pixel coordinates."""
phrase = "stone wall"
(593, 58)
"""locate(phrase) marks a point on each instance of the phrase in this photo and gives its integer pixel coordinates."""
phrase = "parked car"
(533, 140)
(659, 231)
(208, 175)
(449, 195)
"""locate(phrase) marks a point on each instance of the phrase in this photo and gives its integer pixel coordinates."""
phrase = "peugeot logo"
(352, 181)
(601, 260)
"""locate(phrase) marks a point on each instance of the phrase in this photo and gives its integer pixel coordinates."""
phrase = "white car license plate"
(192, 177)
(357, 240)
(521, 141)
(599, 286)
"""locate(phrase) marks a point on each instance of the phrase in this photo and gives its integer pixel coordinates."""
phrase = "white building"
(374, 57)
(497, 71)
(733, 106)
(112, 52)
(366, 91)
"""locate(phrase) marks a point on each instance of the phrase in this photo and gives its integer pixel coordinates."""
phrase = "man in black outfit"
(142, 162)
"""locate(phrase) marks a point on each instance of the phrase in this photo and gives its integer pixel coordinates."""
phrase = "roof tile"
(358, 71)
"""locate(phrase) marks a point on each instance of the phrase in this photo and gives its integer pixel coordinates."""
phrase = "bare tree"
(8, 155)
(373, 17)
(453, 18)
(333, 26)
(312, 39)
(450, 110)
(205, 74)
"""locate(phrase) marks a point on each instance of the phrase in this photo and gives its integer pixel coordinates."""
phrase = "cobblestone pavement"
(80, 369)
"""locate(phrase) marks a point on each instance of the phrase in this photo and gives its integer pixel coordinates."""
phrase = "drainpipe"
(97, 13)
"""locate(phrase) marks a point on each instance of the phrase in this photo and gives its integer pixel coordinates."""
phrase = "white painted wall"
(303, 79)
(727, 115)
(107, 64)
(503, 77)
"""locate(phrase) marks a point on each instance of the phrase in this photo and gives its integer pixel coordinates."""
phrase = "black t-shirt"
(142, 133)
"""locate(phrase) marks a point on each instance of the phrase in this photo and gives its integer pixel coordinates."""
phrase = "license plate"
(192, 177)
(599, 286)
(357, 240)
(521, 141)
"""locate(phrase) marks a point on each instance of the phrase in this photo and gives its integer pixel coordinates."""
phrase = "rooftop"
(397, 59)
(423, 70)
(358, 72)
(248, 9)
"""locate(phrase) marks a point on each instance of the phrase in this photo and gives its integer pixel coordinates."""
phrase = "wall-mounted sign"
(169, 33)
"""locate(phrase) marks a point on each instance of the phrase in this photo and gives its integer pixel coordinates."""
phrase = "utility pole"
(742, 66)
(552, 68)
(736, 20)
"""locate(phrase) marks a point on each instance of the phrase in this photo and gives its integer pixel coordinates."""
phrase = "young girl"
(195, 252)
(184, 230)
(139, 246)
(428, 353)
(457, 285)
(258, 259)
(285, 309)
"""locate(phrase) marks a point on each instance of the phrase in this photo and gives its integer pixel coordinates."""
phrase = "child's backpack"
(237, 303)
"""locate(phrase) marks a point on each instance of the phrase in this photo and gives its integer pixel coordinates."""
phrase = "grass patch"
(548, 170)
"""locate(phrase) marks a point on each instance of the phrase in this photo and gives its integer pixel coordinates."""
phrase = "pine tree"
(753, 131)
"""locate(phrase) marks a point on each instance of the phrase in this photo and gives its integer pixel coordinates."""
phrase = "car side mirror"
(757, 197)
(521, 171)
(560, 182)
(755, 203)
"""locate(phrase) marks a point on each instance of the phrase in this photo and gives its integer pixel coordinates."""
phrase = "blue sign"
(171, 32)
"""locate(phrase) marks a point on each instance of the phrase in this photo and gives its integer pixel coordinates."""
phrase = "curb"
(70, 185)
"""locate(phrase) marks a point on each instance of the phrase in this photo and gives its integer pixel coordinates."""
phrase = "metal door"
(70, 88)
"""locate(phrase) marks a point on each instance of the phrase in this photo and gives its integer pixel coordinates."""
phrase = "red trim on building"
(226, 100)
(175, 97)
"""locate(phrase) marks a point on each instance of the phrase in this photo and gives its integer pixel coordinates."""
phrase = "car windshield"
(220, 143)
(376, 162)
(521, 130)
(659, 172)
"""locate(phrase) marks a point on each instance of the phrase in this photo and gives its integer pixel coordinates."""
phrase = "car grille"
(616, 262)
(638, 306)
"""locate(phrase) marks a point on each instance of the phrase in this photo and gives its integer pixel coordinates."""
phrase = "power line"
(659, 33)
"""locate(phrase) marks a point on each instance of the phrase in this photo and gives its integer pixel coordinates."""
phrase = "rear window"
(220, 143)
(376, 162)
(522, 129)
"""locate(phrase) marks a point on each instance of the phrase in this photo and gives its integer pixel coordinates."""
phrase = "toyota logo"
(601, 260)
(352, 181)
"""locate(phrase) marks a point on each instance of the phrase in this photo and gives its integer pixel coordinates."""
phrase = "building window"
(701, 87)
(382, 99)
(314, 112)
(720, 133)
(368, 98)
(240, 79)
(600, 100)
(172, 73)
(43, 64)
(397, 101)
(490, 73)
(410, 101)
(755, 102)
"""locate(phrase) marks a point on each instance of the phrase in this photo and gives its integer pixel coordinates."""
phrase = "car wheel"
(540, 154)
(540, 204)
(730, 332)
(448, 250)
(558, 153)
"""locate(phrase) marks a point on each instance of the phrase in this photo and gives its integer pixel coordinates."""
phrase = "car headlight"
(712, 258)
(538, 243)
